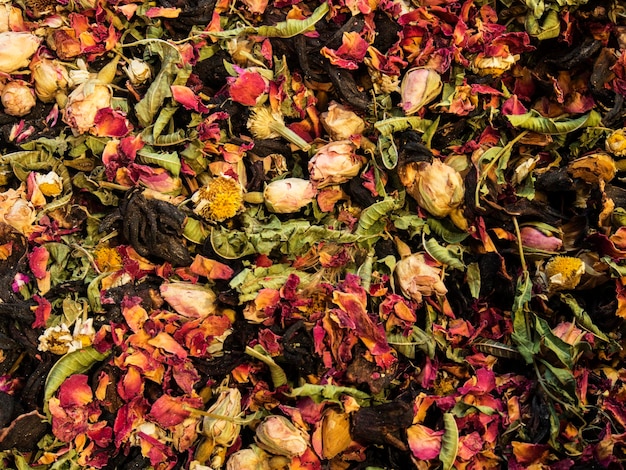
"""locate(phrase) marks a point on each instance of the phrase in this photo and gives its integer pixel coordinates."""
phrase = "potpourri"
(312, 235)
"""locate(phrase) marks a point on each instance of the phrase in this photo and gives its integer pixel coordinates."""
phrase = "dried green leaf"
(445, 255)
(167, 161)
(535, 122)
(582, 317)
(449, 441)
(76, 362)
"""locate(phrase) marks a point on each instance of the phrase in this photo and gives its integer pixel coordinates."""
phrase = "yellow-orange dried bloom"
(616, 143)
(107, 259)
(564, 272)
(221, 199)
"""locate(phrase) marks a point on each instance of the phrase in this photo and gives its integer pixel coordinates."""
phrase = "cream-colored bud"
(419, 87)
(435, 186)
(417, 278)
(288, 195)
(340, 122)
(223, 432)
(253, 458)
(278, 435)
(138, 71)
(18, 99)
(83, 105)
(335, 163)
(16, 49)
(51, 78)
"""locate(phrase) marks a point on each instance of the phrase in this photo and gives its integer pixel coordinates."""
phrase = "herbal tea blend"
(312, 235)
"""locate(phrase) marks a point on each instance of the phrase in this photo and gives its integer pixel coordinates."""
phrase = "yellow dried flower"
(221, 199)
(616, 143)
(107, 259)
(564, 272)
(264, 124)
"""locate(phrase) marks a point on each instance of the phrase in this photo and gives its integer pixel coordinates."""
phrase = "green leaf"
(406, 345)
(535, 122)
(560, 348)
(159, 89)
(561, 381)
(388, 151)
(195, 231)
(291, 28)
(388, 127)
(168, 161)
(446, 230)
(582, 317)
(450, 257)
(333, 393)
(284, 29)
(449, 441)
(76, 362)
(165, 115)
(473, 279)
(550, 27)
(371, 221)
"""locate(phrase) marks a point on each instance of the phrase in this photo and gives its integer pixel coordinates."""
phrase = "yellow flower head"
(221, 199)
(107, 259)
(564, 272)
(616, 143)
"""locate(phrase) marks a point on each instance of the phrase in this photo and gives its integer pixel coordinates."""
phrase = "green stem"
(279, 377)
(490, 165)
(289, 135)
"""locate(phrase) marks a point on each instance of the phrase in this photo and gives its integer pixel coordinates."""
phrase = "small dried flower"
(335, 433)
(17, 211)
(436, 187)
(495, 66)
(278, 435)
(419, 87)
(56, 339)
(84, 103)
(537, 239)
(335, 163)
(51, 80)
(417, 278)
(267, 125)
(18, 98)
(340, 122)
(220, 433)
(616, 143)
(219, 200)
(564, 272)
(593, 167)
(138, 71)
(107, 259)
(50, 184)
(83, 334)
(16, 49)
(223, 432)
(10, 17)
(253, 458)
(288, 195)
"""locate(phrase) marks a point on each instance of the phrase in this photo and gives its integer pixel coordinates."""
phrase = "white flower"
(56, 339)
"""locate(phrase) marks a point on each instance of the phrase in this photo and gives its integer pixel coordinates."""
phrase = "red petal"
(425, 443)
(247, 87)
(111, 123)
(185, 96)
(75, 391)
